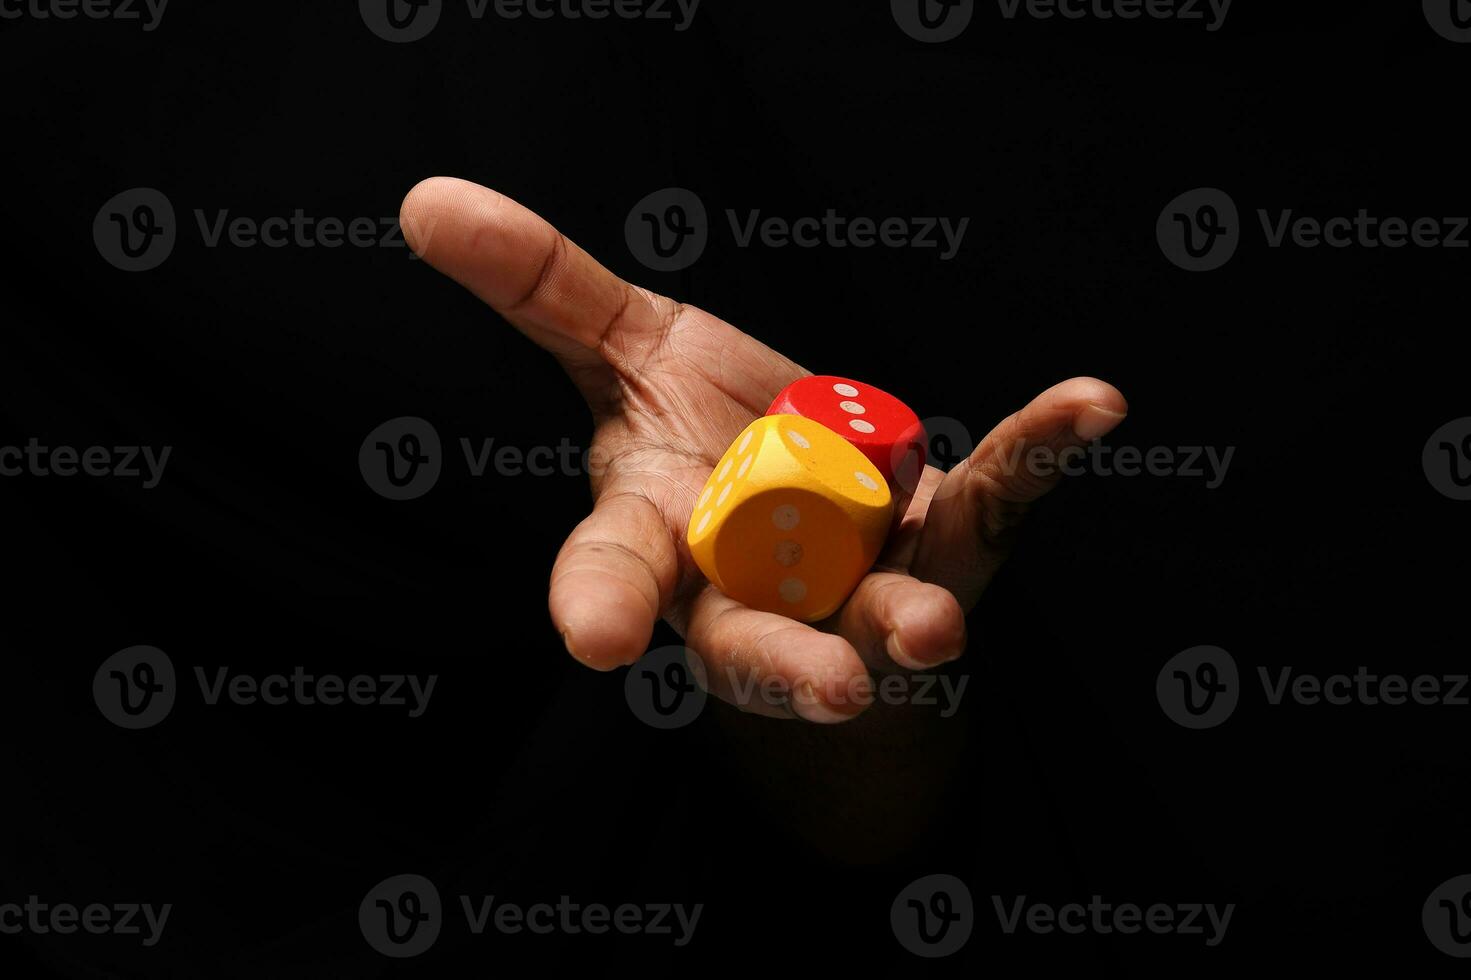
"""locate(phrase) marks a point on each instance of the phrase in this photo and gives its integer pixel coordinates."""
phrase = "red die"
(881, 426)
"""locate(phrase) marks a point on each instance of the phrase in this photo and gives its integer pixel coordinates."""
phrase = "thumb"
(531, 274)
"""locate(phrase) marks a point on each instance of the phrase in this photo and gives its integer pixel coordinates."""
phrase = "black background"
(528, 778)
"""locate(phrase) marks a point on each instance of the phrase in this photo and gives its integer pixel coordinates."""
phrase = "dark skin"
(670, 387)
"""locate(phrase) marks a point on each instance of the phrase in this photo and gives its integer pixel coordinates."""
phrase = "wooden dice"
(791, 518)
(877, 424)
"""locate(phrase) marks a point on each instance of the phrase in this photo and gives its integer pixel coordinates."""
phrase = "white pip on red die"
(879, 425)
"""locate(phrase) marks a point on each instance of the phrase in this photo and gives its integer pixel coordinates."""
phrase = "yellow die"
(791, 518)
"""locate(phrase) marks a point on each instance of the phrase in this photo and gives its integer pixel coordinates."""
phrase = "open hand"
(669, 387)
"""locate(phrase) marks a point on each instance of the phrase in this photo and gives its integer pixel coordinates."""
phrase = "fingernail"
(899, 655)
(809, 707)
(567, 642)
(904, 659)
(1095, 422)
